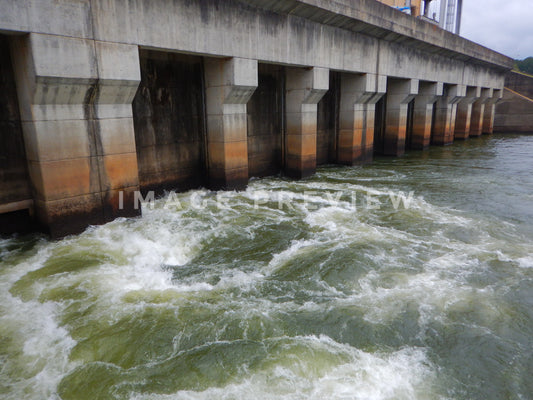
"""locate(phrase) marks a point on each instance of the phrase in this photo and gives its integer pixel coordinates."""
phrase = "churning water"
(290, 290)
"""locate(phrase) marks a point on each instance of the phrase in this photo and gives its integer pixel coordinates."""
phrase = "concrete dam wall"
(169, 122)
(514, 113)
(102, 99)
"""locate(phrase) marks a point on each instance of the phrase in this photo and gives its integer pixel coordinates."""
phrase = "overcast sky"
(502, 25)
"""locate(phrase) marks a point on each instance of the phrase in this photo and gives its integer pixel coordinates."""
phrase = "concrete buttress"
(428, 94)
(230, 83)
(478, 112)
(400, 92)
(464, 113)
(77, 124)
(490, 108)
(359, 94)
(304, 89)
(445, 115)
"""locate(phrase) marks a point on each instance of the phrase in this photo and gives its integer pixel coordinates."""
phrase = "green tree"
(525, 65)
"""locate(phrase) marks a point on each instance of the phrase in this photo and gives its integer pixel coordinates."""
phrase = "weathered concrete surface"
(478, 112)
(304, 89)
(230, 83)
(75, 102)
(400, 92)
(266, 122)
(514, 113)
(520, 83)
(78, 69)
(464, 113)
(446, 113)
(490, 110)
(428, 94)
(169, 122)
(328, 122)
(359, 93)
(368, 142)
(342, 35)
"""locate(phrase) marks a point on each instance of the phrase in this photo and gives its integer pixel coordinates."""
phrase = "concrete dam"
(101, 99)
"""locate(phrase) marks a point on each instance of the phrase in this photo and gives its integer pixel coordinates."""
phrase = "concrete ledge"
(384, 22)
(362, 36)
(17, 206)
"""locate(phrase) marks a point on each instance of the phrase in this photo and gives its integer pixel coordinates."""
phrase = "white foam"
(139, 252)
(525, 262)
(296, 248)
(348, 373)
(44, 345)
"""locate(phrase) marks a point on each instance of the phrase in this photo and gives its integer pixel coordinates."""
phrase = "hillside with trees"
(525, 65)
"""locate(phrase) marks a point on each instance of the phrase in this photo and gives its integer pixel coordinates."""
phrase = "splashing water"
(327, 288)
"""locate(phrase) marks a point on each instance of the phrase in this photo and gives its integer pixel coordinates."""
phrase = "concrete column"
(75, 99)
(359, 94)
(444, 125)
(399, 93)
(230, 83)
(464, 113)
(304, 89)
(490, 107)
(119, 76)
(428, 94)
(478, 112)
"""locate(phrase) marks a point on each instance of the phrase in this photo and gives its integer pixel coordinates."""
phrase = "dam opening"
(16, 200)
(266, 122)
(170, 122)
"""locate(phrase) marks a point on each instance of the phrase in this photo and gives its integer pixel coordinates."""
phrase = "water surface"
(321, 298)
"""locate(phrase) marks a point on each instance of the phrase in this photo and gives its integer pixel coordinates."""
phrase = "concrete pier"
(478, 112)
(400, 92)
(428, 94)
(78, 130)
(490, 110)
(105, 98)
(304, 89)
(230, 83)
(464, 113)
(359, 93)
(445, 114)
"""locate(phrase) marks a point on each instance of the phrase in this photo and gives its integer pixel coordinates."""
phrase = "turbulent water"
(336, 287)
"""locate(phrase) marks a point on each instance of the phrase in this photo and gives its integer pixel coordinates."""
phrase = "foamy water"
(289, 290)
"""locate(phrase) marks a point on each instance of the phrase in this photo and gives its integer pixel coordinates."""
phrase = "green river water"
(327, 288)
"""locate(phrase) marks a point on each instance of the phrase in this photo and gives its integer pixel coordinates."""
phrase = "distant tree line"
(525, 65)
